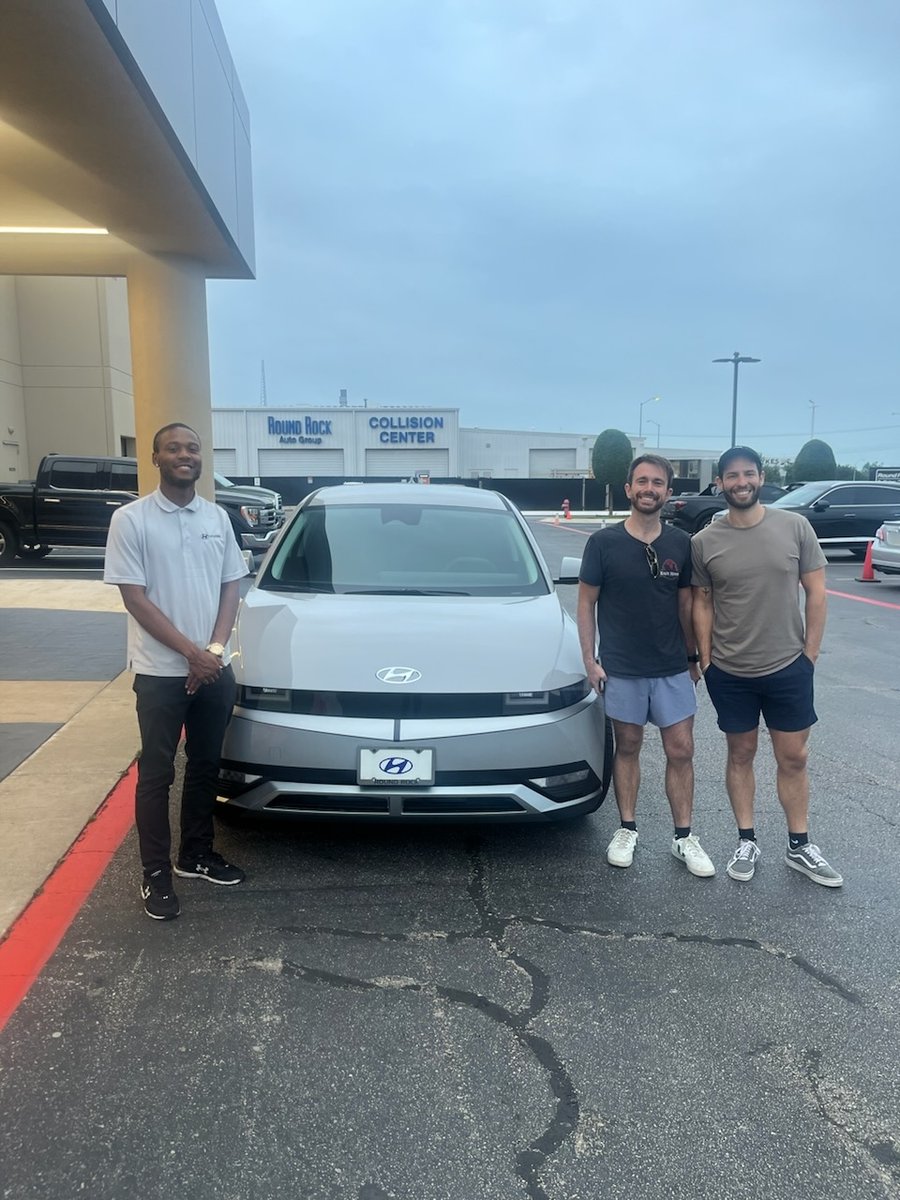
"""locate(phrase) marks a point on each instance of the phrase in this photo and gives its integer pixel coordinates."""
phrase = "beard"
(642, 504)
(742, 501)
(176, 479)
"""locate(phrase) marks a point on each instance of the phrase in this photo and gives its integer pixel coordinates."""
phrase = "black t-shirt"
(637, 614)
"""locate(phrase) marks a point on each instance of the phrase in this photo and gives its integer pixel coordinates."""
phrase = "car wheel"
(9, 545)
(33, 551)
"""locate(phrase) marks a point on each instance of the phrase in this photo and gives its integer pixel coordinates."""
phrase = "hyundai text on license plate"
(396, 766)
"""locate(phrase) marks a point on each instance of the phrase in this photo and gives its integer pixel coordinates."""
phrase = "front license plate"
(396, 766)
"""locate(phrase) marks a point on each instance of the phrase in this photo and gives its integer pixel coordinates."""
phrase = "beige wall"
(13, 440)
(65, 355)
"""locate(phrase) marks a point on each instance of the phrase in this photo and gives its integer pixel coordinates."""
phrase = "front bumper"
(484, 769)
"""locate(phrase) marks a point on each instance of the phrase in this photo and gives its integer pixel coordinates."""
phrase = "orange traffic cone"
(868, 575)
(568, 514)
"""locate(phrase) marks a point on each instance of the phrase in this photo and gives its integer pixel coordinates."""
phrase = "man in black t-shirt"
(634, 598)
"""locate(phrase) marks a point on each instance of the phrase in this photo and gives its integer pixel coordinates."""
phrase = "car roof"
(829, 483)
(431, 494)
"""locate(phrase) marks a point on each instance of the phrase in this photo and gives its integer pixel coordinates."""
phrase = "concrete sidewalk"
(68, 730)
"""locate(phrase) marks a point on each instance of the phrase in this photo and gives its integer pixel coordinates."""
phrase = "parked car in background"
(886, 548)
(72, 500)
(260, 507)
(693, 511)
(403, 655)
(844, 513)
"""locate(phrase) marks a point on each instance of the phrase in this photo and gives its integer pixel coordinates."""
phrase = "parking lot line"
(41, 926)
(862, 599)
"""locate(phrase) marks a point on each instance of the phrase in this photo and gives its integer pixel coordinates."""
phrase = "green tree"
(610, 459)
(815, 461)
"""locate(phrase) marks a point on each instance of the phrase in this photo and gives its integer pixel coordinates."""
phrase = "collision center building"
(378, 442)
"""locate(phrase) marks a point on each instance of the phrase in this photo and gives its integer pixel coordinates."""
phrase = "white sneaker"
(620, 851)
(689, 851)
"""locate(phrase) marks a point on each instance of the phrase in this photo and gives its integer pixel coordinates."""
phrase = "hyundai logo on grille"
(395, 766)
(398, 674)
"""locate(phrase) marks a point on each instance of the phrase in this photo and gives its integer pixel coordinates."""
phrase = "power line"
(712, 437)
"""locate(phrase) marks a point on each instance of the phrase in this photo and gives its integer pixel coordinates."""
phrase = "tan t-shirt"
(755, 575)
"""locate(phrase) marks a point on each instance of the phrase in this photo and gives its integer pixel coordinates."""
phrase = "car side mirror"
(821, 505)
(569, 570)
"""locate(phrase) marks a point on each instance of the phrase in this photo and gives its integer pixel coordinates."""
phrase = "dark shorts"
(785, 698)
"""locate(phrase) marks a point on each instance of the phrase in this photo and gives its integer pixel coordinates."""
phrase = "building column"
(170, 358)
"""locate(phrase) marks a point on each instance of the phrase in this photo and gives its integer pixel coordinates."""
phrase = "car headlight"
(568, 785)
(268, 698)
(521, 703)
(250, 514)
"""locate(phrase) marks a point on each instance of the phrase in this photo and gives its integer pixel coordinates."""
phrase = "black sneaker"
(160, 901)
(210, 866)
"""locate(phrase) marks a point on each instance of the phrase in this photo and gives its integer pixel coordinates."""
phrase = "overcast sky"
(543, 212)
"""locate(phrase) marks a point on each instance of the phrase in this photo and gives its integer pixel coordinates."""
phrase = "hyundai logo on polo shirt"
(395, 766)
(398, 675)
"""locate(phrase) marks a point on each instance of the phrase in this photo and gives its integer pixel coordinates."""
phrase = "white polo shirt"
(181, 556)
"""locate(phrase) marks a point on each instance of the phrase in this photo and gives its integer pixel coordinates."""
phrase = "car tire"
(9, 544)
(33, 551)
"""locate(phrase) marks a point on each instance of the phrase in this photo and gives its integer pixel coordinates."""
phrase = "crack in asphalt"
(494, 928)
(803, 964)
(881, 1155)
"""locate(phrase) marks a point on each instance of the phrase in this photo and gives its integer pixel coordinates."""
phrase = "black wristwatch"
(693, 658)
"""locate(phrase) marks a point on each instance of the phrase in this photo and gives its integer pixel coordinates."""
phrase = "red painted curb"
(40, 928)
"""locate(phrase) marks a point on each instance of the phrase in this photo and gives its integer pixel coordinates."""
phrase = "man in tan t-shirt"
(757, 654)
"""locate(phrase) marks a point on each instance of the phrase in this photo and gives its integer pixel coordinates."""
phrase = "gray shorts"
(665, 699)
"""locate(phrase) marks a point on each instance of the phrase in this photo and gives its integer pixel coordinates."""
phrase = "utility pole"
(262, 384)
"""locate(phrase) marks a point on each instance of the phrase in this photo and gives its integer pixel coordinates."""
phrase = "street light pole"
(650, 421)
(650, 400)
(812, 419)
(736, 358)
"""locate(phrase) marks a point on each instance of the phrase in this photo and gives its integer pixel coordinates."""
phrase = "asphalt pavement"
(490, 1013)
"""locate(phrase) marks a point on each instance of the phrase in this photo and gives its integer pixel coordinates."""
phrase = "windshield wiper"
(403, 591)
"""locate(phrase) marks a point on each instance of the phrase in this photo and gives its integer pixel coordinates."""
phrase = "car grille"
(409, 706)
(347, 804)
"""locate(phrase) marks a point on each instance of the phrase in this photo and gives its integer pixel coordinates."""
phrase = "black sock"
(629, 825)
(747, 835)
(682, 831)
(798, 839)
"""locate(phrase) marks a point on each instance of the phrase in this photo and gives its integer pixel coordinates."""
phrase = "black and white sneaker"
(210, 866)
(158, 895)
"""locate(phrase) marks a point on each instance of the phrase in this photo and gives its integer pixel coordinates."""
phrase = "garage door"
(225, 461)
(542, 464)
(302, 461)
(407, 462)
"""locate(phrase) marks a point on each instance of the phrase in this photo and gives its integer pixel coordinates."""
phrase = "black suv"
(693, 511)
(844, 513)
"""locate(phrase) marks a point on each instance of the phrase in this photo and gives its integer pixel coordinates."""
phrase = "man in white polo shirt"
(175, 560)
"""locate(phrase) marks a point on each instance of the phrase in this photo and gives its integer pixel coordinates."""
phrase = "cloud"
(544, 212)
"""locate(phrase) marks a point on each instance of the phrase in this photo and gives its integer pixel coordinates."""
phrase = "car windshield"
(808, 493)
(406, 549)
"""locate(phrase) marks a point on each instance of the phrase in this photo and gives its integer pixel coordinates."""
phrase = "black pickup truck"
(73, 498)
(693, 511)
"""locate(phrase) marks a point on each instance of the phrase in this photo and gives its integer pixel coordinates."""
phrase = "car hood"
(458, 644)
(240, 494)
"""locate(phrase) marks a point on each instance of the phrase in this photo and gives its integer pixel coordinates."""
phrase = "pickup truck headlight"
(250, 514)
